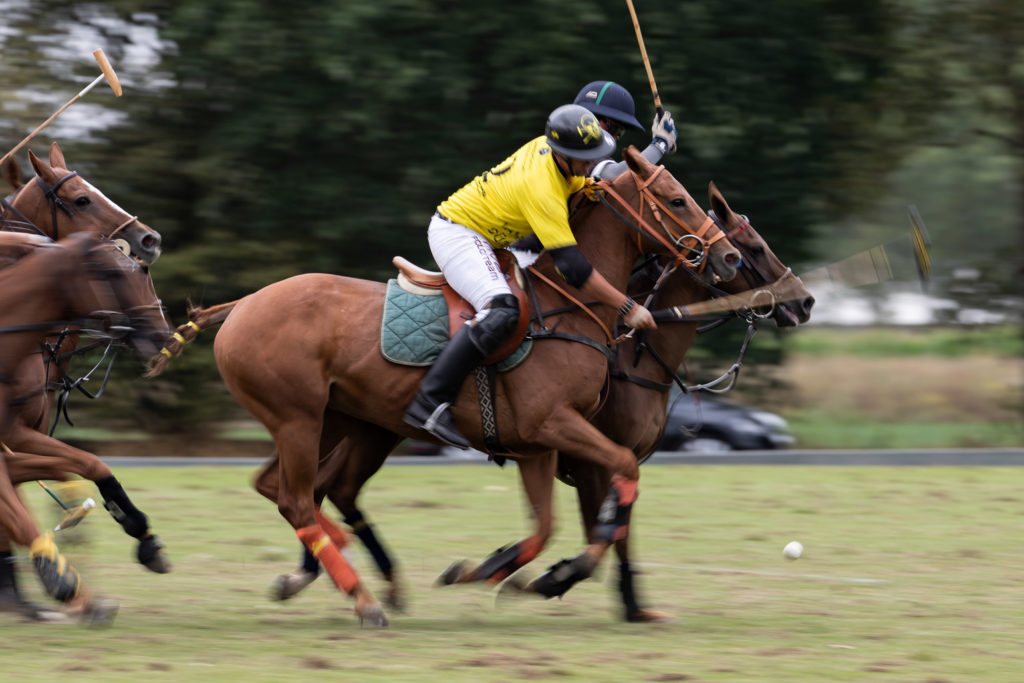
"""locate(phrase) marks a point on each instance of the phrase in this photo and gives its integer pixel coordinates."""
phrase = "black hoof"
(100, 612)
(150, 555)
(452, 574)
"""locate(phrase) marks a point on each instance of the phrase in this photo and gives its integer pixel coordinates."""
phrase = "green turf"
(909, 574)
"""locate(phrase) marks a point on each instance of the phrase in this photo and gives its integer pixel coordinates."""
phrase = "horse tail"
(199, 319)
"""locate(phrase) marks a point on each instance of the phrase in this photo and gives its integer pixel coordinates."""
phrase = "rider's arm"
(578, 272)
(663, 142)
(608, 169)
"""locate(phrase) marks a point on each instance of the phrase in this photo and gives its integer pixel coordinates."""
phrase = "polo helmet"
(575, 132)
(610, 100)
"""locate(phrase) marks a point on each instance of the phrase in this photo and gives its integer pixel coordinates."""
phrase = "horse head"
(786, 299)
(64, 203)
(118, 297)
(674, 223)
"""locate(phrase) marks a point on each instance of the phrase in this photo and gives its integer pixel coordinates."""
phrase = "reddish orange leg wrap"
(627, 489)
(337, 567)
(338, 536)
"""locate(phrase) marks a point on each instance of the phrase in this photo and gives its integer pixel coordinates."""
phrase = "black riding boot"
(440, 388)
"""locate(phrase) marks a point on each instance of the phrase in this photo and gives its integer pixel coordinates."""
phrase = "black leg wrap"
(121, 508)
(362, 529)
(612, 516)
(627, 589)
(310, 564)
(501, 563)
(563, 575)
(8, 577)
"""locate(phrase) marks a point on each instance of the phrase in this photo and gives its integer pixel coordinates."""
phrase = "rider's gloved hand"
(664, 130)
(636, 316)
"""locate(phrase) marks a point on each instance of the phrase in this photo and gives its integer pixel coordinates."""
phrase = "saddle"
(423, 282)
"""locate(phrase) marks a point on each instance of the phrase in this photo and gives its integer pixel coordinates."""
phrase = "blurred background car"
(703, 422)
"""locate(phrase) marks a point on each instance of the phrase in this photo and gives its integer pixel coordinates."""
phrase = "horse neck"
(34, 291)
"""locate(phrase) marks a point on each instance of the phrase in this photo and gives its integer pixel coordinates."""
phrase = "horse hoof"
(395, 601)
(99, 612)
(453, 574)
(512, 587)
(372, 616)
(650, 616)
(151, 556)
(286, 586)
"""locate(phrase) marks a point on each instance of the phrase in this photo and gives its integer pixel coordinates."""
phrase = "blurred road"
(967, 457)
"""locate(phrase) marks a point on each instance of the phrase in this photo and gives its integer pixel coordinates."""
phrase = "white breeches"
(468, 262)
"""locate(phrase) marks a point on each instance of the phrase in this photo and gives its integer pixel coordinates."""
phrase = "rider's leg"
(471, 268)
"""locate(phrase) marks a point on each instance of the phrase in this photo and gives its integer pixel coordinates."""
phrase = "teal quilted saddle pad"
(414, 329)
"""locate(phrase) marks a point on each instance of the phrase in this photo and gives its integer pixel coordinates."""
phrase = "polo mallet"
(74, 515)
(108, 75)
(922, 242)
(647, 63)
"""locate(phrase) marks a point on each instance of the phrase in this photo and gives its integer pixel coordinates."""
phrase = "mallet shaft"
(647, 62)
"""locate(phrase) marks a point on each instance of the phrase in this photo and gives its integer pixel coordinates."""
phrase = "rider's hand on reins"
(637, 316)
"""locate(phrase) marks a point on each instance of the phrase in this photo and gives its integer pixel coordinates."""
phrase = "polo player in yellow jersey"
(526, 194)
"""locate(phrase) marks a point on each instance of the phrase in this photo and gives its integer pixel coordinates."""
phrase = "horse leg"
(341, 476)
(537, 474)
(293, 490)
(592, 484)
(60, 580)
(39, 456)
(360, 456)
(571, 434)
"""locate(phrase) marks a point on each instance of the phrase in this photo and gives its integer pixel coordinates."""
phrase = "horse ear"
(12, 172)
(636, 161)
(40, 167)
(57, 156)
(718, 203)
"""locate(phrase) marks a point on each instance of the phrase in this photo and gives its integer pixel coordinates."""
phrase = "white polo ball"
(793, 550)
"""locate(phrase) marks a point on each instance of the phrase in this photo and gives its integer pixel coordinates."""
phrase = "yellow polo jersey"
(523, 195)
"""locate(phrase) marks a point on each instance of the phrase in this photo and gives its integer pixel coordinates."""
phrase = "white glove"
(664, 130)
(639, 317)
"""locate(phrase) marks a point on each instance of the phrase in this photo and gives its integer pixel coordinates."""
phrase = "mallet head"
(75, 517)
(108, 71)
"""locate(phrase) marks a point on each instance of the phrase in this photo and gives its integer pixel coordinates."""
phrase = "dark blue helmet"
(573, 131)
(609, 100)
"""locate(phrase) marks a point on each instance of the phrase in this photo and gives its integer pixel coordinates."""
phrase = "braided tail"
(198, 320)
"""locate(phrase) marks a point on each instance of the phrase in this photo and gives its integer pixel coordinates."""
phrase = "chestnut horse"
(80, 281)
(55, 204)
(645, 369)
(303, 356)
(634, 414)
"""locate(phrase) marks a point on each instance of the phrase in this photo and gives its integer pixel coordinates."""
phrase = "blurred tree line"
(264, 139)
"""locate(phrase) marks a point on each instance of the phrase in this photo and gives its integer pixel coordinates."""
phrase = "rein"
(698, 260)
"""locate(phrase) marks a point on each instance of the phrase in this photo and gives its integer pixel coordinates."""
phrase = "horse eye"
(678, 202)
(82, 201)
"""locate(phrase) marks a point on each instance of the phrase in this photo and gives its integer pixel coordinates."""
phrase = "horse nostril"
(150, 242)
(732, 258)
(808, 304)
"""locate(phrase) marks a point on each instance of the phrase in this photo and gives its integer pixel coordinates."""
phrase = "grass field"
(909, 574)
